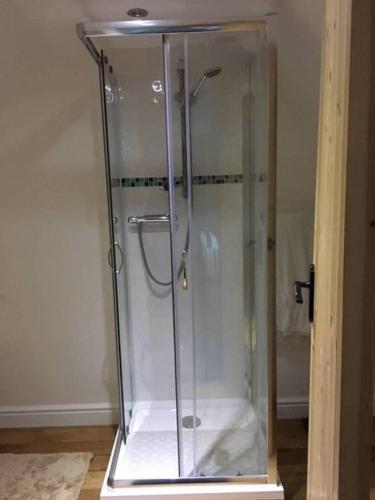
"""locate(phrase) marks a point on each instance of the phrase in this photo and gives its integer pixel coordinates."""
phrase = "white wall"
(298, 109)
(56, 322)
(57, 348)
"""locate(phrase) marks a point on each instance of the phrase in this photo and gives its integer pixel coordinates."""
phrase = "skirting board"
(106, 414)
(297, 408)
(58, 415)
(292, 407)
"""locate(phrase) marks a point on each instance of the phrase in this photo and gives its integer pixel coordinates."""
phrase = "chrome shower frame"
(87, 32)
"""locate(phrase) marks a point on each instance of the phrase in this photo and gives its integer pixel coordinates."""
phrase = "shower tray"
(222, 444)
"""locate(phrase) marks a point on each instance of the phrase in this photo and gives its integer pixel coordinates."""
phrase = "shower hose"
(145, 261)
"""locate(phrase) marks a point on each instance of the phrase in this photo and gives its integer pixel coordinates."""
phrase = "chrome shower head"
(210, 73)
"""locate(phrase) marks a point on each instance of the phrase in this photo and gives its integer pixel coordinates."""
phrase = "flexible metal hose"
(145, 261)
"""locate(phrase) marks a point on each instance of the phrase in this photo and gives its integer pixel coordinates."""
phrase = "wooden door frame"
(342, 348)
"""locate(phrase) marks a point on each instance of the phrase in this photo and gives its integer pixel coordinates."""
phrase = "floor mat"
(57, 476)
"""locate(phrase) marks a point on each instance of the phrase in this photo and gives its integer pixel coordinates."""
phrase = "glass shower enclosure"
(187, 111)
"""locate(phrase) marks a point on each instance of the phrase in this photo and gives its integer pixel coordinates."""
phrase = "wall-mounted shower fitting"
(181, 98)
(210, 73)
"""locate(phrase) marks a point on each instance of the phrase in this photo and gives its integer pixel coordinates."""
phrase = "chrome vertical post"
(172, 223)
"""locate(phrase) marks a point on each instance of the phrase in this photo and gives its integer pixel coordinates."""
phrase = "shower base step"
(221, 491)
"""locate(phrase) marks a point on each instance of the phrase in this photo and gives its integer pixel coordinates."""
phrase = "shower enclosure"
(188, 140)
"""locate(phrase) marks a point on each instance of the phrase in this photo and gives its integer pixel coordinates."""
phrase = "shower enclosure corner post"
(102, 63)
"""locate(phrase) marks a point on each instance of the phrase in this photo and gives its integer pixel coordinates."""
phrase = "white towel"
(294, 252)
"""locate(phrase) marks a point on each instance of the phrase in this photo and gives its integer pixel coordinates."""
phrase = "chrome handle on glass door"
(110, 259)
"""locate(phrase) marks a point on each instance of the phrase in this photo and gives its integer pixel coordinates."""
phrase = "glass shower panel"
(141, 183)
(111, 127)
(261, 282)
(228, 252)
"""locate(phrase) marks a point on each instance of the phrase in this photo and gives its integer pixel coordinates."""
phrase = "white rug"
(57, 476)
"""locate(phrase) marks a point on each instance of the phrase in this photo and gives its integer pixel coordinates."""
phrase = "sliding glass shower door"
(113, 156)
(138, 184)
(215, 86)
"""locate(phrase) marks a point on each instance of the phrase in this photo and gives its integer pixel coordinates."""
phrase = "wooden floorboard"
(291, 441)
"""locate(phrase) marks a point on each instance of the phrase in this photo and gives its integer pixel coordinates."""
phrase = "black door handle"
(310, 285)
(298, 285)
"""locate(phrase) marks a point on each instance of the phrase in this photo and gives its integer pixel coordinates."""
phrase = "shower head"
(210, 73)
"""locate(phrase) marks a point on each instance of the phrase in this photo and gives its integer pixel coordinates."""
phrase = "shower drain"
(188, 422)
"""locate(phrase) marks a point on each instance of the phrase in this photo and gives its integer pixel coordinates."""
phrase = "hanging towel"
(294, 251)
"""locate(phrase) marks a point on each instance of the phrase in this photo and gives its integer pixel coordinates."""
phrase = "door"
(343, 329)
(116, 257)
(138, 205)
(218, 160)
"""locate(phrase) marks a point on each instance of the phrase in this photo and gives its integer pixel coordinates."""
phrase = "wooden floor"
(292, 455)
(291, 440)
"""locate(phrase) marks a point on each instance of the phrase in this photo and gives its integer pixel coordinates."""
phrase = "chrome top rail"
(148, 27)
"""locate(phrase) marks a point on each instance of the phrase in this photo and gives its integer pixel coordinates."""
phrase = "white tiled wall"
(217, 235)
